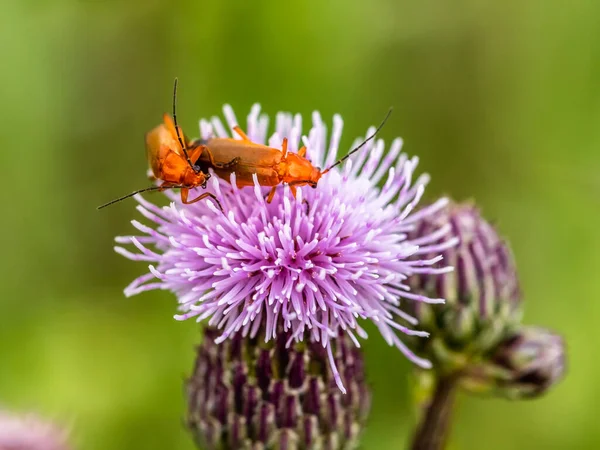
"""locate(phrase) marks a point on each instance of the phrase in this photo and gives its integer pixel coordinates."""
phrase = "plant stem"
(432, 432)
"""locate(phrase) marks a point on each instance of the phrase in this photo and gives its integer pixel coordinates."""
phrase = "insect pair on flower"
(180, 163)
(304, 271)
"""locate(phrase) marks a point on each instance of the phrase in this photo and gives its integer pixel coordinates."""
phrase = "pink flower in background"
(28, 432)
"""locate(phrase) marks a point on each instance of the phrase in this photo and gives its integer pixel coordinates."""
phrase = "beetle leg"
(271, 194)
(298, 183)
(227, 165)
(166, 185)
(266, 197)
(293, 190)
(216, 165)
(305, 202)
(241, 134)
(197, 152)
(211, 157)
(185, 201)
(302, 151)
(184, 195)
(284, 146)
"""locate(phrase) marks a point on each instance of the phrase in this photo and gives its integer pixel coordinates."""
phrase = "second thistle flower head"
(483, 298)
(311, 266)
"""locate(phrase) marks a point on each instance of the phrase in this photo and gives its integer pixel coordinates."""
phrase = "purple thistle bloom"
(311, 266)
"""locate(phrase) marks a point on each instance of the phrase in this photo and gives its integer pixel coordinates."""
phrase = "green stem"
(433, 430)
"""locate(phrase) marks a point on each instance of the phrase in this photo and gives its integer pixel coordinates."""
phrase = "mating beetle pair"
(184, 165)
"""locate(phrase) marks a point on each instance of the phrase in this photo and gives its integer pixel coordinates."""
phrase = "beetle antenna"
(354, 150)
(183, 147)
(139, 191)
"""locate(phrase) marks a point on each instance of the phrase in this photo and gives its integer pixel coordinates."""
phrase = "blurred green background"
(501, 100)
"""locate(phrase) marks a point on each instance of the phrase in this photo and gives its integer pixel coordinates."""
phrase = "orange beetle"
(172, 161)
(272, 166)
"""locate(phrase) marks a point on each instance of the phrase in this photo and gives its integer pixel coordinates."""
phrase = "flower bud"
(525, 365)
(482, 293)
(246, 394)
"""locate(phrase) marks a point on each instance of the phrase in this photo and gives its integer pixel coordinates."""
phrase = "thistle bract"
(525, 364)
(482, 294)
(248, 395)
(313, 265)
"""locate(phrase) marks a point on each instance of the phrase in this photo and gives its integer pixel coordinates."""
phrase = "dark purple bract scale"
(295, 405)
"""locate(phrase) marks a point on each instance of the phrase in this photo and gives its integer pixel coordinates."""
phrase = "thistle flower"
(28, 432)
(246, 395)
(524, 365)
(311, 266)
(482, 295)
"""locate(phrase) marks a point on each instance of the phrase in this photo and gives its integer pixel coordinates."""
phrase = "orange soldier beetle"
(171, 161)
(271, 165)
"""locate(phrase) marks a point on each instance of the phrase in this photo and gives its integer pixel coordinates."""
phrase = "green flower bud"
(525, 365)
(246, 394)
(482, 293)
